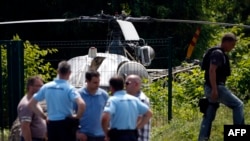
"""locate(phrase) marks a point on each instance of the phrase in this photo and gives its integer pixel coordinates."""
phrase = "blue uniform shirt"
(59, 96)
(91, 120)
(124, 110)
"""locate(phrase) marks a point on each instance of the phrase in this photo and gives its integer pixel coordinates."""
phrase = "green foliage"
(188, 85)
(239, 81)
(34, 64)
(163, 11)
(157, 93)
(181, 129)
(4, 133)
(34, 61)
(188, 88)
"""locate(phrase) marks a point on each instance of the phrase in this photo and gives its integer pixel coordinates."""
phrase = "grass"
(181, 129)
(184, 126)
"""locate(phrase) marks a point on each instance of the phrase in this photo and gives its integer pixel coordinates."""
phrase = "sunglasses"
(128, 82)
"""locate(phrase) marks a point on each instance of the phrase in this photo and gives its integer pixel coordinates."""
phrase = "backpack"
(205, 63)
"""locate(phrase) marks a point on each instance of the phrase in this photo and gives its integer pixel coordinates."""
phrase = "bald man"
(133, 86)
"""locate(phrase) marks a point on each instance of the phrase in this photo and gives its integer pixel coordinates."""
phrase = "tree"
(34, 64)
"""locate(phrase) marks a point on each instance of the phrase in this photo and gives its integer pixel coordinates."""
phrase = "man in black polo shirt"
(215, 89)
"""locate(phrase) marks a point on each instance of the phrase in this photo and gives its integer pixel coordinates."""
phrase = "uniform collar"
(98, 91)
(121, 92)
(138, 94)
(60, 80)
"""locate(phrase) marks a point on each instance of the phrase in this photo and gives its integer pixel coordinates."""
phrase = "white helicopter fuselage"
(106, 64)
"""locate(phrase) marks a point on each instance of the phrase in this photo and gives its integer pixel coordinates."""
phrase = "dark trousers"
(95, 138)
(123, 135)
(61, 130)
(33, 139)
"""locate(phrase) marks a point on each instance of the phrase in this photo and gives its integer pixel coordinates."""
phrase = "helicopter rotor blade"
(79, 19)
(107, 18)
(92, 19)
(149, 19)
(139, 19)
(199, 22)
(35, 21)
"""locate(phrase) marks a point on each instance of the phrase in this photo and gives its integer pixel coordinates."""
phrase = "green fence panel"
(15, 86)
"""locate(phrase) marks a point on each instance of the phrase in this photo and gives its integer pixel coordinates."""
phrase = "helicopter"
(126, 52)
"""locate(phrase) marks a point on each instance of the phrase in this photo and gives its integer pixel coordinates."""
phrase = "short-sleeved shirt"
(220, 59)
(90, 122)
(217, 58)
(60, 97)
(37, 124)
(124, 110)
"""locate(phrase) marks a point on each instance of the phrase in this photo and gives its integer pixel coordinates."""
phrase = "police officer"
(122, 111)
(60, 97)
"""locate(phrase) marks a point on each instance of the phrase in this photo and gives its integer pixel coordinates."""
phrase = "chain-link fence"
(127, 56)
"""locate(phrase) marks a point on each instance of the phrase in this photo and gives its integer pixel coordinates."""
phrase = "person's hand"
(214, 95)
(106, 138)
(46, 136)
(46, 119)
(74, 116)
(81, 136)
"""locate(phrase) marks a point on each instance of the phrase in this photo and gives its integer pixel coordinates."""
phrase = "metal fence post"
(15, 65)
(170, 78)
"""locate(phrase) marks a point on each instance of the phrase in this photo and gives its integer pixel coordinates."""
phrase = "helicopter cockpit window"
(128, 30)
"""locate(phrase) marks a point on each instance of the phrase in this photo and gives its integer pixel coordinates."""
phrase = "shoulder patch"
(107, 104)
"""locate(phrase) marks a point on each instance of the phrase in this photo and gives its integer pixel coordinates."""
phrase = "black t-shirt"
(220, 59)
(217, 58)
